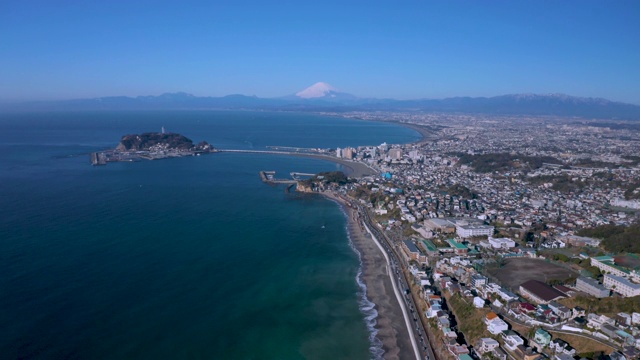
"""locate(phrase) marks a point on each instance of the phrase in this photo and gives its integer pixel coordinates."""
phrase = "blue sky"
(395, 49)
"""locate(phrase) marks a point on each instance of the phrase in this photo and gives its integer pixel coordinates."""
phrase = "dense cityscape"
(518, 235)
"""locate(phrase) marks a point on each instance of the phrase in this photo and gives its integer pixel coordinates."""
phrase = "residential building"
(478, 281)
(562, 311)
(485, 345)
(541, 338)
(499, 354)
(511, 340)
(495, 325)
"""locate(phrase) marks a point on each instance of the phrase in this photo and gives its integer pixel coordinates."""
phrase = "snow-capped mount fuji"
(323, 91)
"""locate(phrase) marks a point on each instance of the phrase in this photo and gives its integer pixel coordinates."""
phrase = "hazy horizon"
(372, 50)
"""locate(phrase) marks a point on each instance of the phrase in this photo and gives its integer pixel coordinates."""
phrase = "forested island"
(151, 146)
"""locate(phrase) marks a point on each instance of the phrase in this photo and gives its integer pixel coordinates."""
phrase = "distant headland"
(151, 146)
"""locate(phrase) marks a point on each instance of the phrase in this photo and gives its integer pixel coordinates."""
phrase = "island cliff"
(151, 146)
(166, 141)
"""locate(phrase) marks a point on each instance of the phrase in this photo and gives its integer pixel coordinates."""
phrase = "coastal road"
(419, 338)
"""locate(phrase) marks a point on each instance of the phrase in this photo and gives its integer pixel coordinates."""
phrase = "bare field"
(517, 271)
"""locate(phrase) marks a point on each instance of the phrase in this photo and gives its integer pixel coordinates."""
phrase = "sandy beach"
(353, 168)
(392, 330)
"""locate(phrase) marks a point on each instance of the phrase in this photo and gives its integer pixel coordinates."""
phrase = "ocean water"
(179, 258)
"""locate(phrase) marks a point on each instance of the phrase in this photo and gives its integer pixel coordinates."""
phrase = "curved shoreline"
(390, 322)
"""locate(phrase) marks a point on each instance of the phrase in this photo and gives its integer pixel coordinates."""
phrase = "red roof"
(527, 307)
(542, 290)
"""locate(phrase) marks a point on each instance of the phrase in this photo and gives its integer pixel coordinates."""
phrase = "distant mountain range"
(323, 97)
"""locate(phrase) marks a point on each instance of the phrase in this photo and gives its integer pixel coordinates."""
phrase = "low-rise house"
(455, 348)
(579, 321)
(511, 340)
(578, 311)
(485, 345)
(499, 354)
(478, 302)
(443, 321)
(495, 325)
(434, 309)
(541, 338)
(559, 346)
(609, 330)
(562, 311)
(526, 353)
(623, 319)
(595, 321)
(448, 333)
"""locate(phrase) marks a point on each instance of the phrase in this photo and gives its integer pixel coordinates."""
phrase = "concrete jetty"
(269, 177)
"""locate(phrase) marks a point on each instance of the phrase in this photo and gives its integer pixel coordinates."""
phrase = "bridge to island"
(276, 152)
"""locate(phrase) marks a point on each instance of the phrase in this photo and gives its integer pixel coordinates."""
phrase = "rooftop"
(542, 290)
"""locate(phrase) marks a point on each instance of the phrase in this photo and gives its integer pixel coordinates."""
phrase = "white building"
(621, 285)
(495, 325)
(466, 230)
(485, 345)
(501, 243)
(478, 302)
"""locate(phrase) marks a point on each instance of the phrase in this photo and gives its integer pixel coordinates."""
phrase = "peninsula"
(151, 146)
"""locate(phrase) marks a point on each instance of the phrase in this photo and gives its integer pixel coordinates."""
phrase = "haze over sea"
(179, 258)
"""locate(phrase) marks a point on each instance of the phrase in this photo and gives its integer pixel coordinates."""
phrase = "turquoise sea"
(190, 258)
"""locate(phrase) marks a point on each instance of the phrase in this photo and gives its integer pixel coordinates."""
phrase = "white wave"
(367, 307)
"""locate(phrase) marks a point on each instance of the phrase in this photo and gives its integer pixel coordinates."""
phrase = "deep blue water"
(179, 258)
